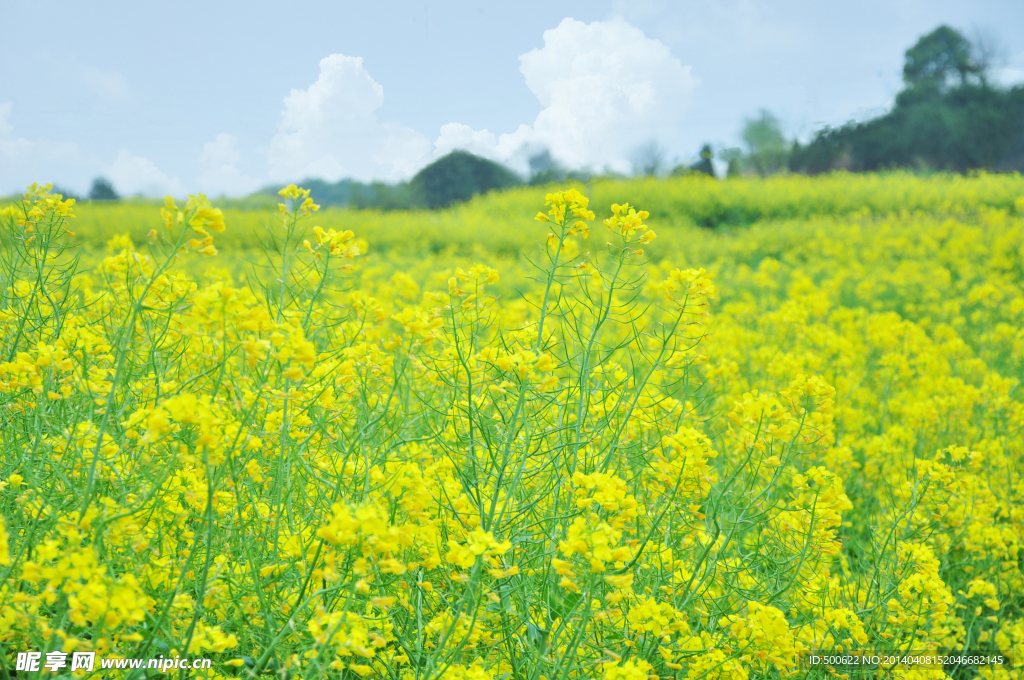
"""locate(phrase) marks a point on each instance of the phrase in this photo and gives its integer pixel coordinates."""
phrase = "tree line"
(949, 116)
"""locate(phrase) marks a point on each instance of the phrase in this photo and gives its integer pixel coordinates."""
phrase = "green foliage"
(767, 148)
(1013, 161)
(948, 117)
(970, 126)
(939, 59)
(102, 190)
(544, 169)
(353, 194)
(457, 177)
(346, 193)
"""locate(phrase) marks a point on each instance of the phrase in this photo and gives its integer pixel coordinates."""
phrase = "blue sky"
(226, 97)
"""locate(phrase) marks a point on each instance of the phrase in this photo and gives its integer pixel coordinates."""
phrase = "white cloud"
(221, 175)
(605, 87)
(23, 161)
(458, 136)
(330, 130)
(132, 175)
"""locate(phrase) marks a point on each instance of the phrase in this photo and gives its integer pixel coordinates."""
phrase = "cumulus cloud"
(23, 161)
(459, 136)
(133, 175)
(605, 87)
(221, 175)
(330, 130)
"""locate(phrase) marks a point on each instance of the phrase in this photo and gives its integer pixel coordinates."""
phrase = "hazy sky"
(226, 97)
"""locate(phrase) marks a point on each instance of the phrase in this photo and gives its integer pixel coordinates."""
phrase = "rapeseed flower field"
(596, 441)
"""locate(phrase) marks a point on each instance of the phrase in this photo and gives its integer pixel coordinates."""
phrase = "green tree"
(458, 177)
(940, 60)
(767, 148)
(947, 117)
(102, 190)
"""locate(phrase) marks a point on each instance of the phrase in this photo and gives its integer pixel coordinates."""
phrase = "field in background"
(494, 221)
(471, 444)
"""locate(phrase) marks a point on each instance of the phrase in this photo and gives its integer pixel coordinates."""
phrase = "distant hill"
(459, 176)
(456, 177)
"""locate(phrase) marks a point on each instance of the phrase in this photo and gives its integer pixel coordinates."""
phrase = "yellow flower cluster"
(319, 459)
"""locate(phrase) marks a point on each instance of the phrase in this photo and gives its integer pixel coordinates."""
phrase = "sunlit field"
(709, 433)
